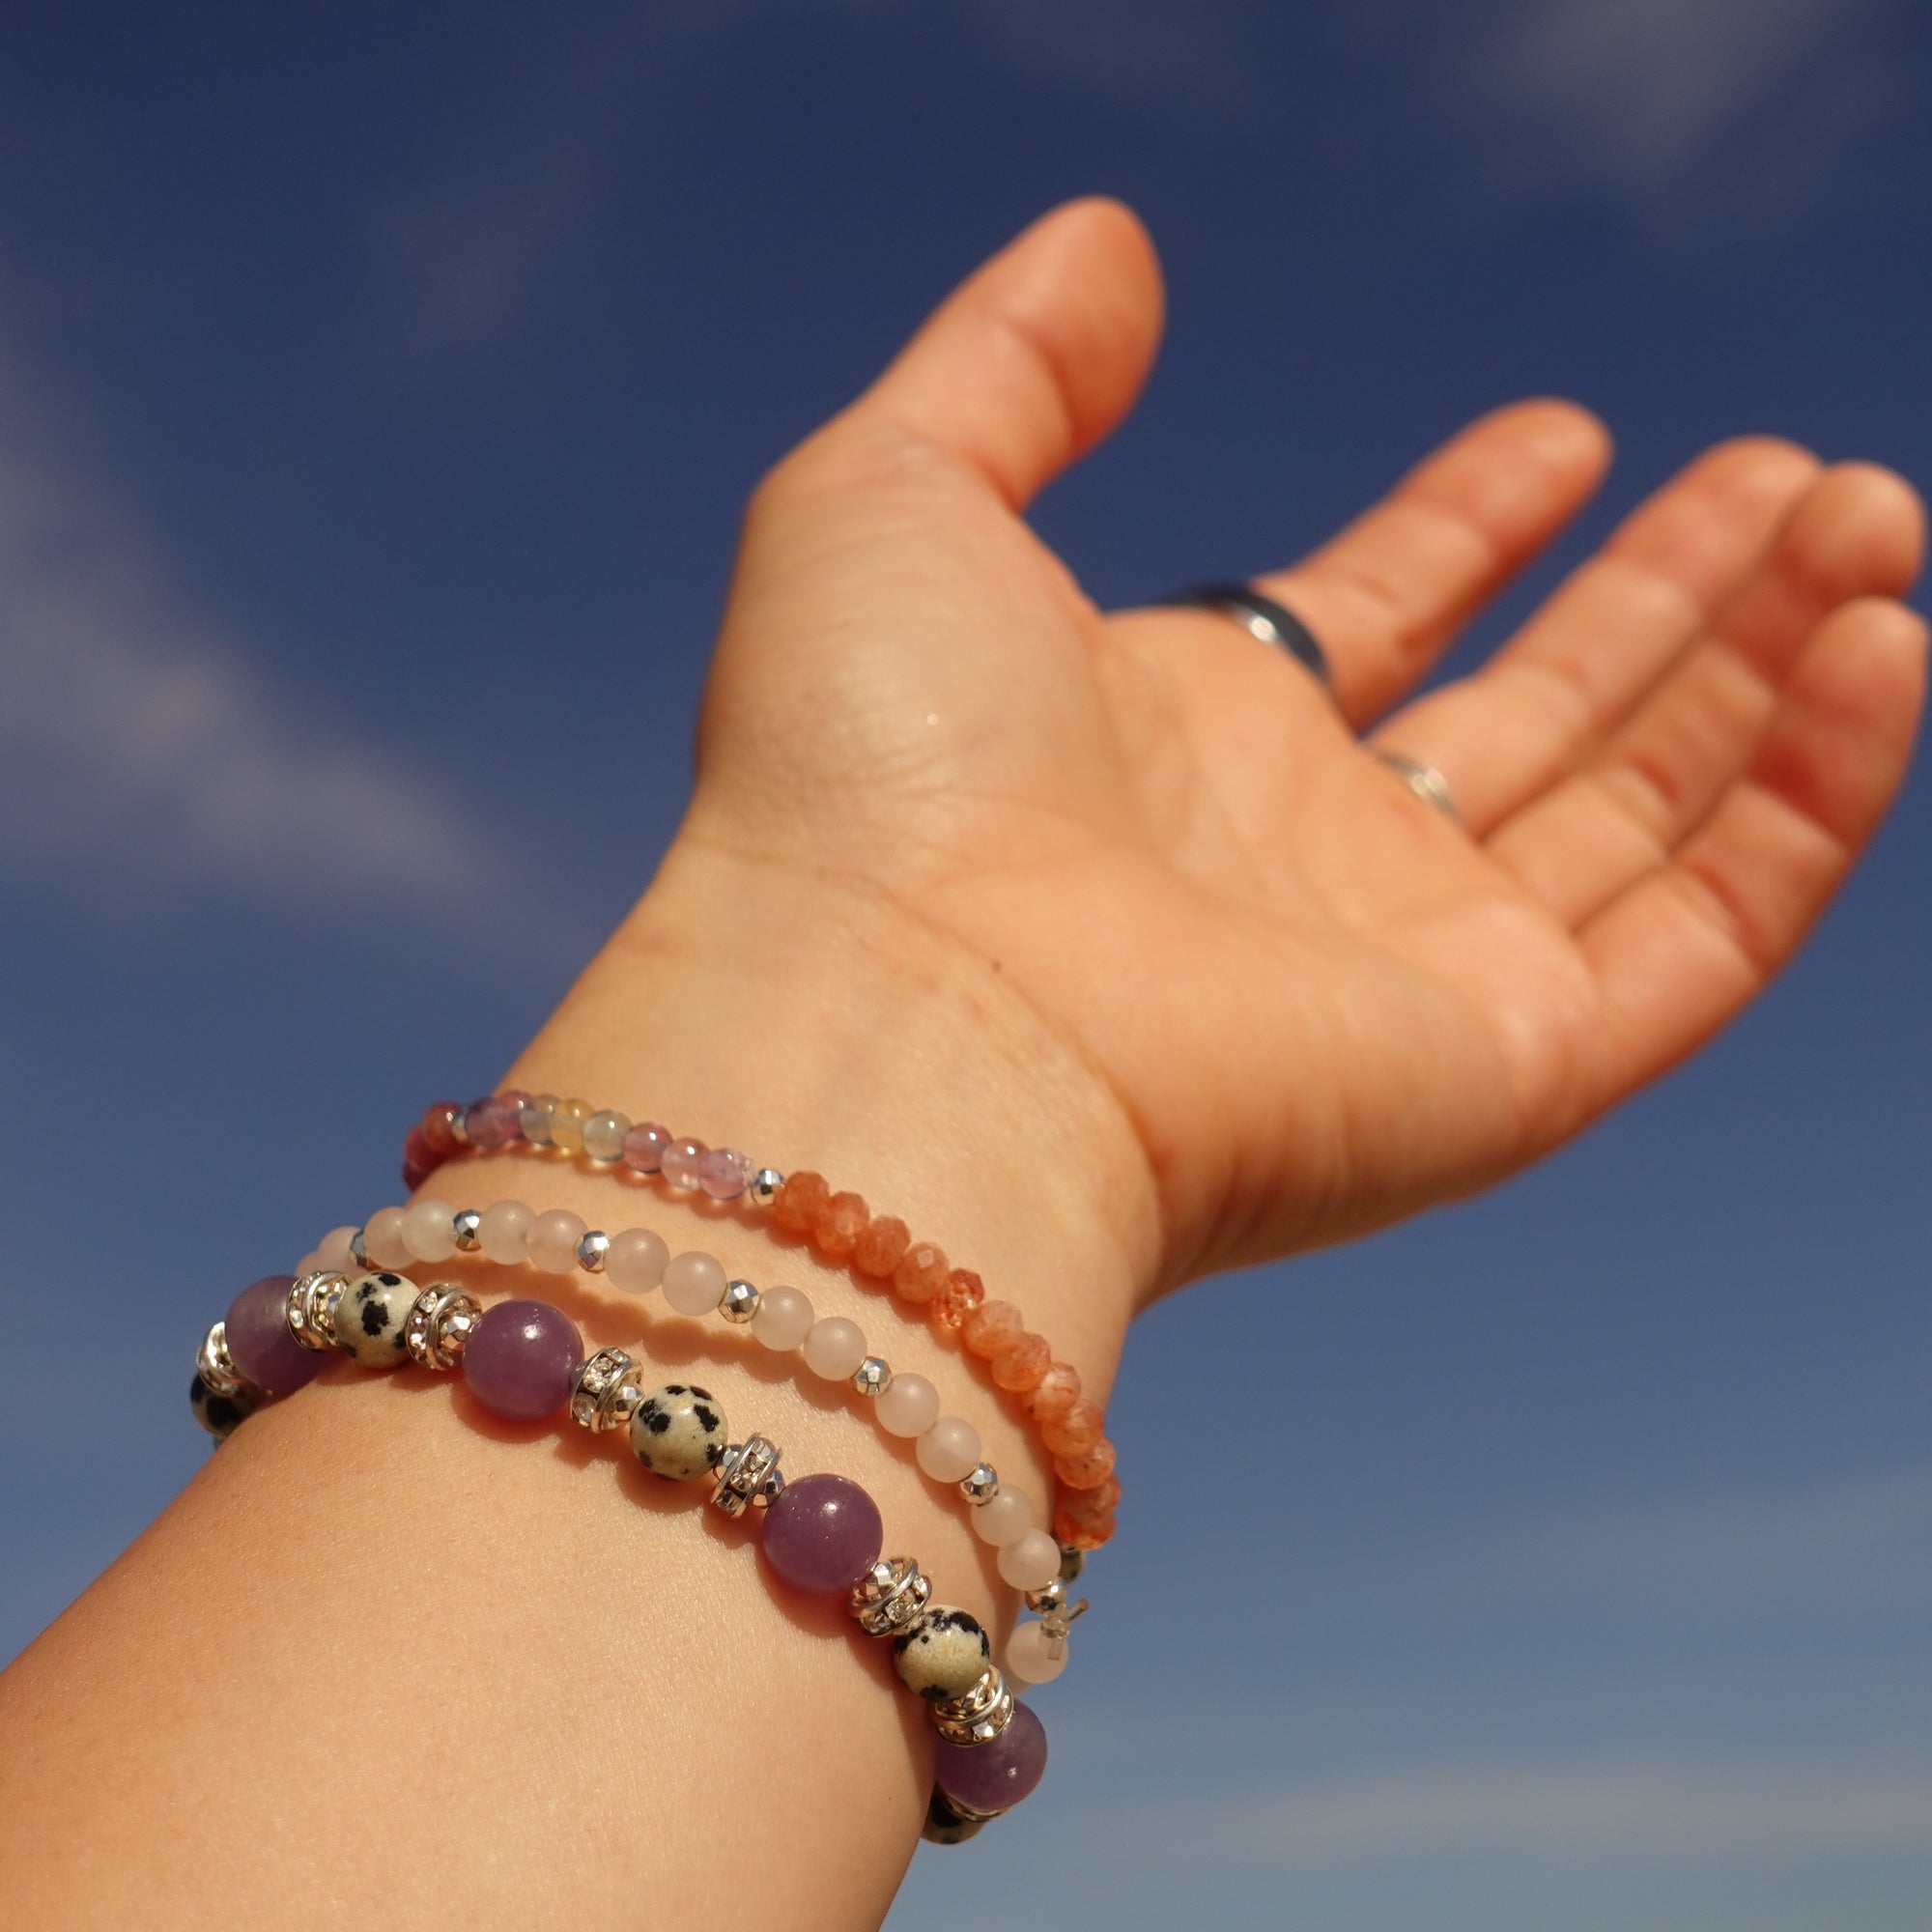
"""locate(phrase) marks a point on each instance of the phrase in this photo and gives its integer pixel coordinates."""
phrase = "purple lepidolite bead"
(259, 1342)
(522, 1359)
(822, 1533)
(993, 1776)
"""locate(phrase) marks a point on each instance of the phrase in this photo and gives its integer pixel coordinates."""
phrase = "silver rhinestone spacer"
(762, 1189)
(749, 1473)
(740, 1304)
(591, 1250)
(216, 1366)
(981, 1714)
(948, 1822)
(607, 1392)
(890, 1597)
(359, 1251)
(466, 1230)
(311, 1308)
(873, 1377)
(981, 1486)
(1051, 1598)
(438, 1327)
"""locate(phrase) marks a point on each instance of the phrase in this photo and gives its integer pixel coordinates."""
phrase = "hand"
(1319, 1003)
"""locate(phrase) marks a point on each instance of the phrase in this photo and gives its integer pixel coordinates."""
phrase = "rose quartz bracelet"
(1071, 1428)
(524, 1360)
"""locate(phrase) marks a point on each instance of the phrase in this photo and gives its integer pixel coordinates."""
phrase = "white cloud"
(143, 754)
(1668, 1807)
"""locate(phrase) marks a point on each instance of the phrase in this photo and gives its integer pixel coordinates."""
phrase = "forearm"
(387, 1660)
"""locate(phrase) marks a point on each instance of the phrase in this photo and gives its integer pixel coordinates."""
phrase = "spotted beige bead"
(372, 1317)
(678, 1431)
(942, 1656)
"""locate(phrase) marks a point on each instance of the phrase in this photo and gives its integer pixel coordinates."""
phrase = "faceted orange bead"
(1078, 1430)
(963, 1292)
(992, 1328)
(921, 1273)
(800, 1202)
(1081, 1532)
(1023, 1364)
(1093, 1502)
(1054, 1394)
(879, 1248)
(840, 1224)
(1088, 1470)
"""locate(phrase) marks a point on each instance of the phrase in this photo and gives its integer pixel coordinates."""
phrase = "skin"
(990, 905)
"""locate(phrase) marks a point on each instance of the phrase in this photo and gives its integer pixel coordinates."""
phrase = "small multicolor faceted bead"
(645, 1147)
(371, 1320)
(722, 1173)
(522, 1361)
(942, 1656)
(678, 1431)
(822, 1533)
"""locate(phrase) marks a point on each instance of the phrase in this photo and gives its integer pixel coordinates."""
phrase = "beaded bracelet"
(638, 1261)
(1071, 1428)
(523, 1361)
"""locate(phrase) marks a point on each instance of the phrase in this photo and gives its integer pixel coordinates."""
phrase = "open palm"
(1322, 1003)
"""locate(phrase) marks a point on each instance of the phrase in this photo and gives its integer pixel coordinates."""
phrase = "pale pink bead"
(723, 1172)
(695, 1282)
(909, 1406)
(553, 1238)
(680, 1162)
(1008, 1517)
(332, 1251)
(504, 1231)
(636, 1260)
(784, 1319)
(383, 1239)
(1030, 1562)
(311, 1262)
(950, 1450)
(426, 1229)
(1030, 1655)
(835, 1348)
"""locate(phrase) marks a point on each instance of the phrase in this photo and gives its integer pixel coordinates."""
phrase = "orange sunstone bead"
(1054, 1394)
(963, 1292)
(921, 1273)
(992, 1328)
(1088, 1470)
(840, 1224)
(800, 1202)
(878, 1249)
(1082, 1532)
(1022, 1365)
(1096, 1501)
(1078, 1430)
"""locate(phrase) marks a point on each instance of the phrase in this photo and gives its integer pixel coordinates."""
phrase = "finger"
(1856, 533)
(1684, 949)
(1505, 735)
(1387, 594)
(1029, 362)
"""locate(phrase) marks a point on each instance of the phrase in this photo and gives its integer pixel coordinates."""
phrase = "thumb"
(1034, 357)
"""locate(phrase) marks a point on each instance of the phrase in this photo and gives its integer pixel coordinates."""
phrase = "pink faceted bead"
(722, 1173)
(644, 1147)
(522, 1361)
(552, 1240)
(680, 1164)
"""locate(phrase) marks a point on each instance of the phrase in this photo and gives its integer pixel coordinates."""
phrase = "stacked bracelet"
(523, 1361)
(839, 1225)
(638, 1261)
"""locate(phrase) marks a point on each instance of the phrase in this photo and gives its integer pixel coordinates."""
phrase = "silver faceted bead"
(438, 1327)
(607, 1392)
(313, 1299)
(762, 1189)
(591, 1250)
(871, 1377)
(466, 1230)
(359, 1252)
(981, 1486)
(892, 1596)
(948, 1822)
(1052, 1597)
(1071, 1562)
(750, 1473)
(740, 1304)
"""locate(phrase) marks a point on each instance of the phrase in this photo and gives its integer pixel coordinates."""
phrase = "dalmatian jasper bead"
(678, 1431)
(371, 1318)
(221, 1414)
(942, 1656)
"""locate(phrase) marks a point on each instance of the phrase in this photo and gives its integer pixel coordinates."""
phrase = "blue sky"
(378, 388)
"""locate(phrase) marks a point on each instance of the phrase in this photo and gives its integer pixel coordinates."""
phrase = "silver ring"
(1424, 780)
